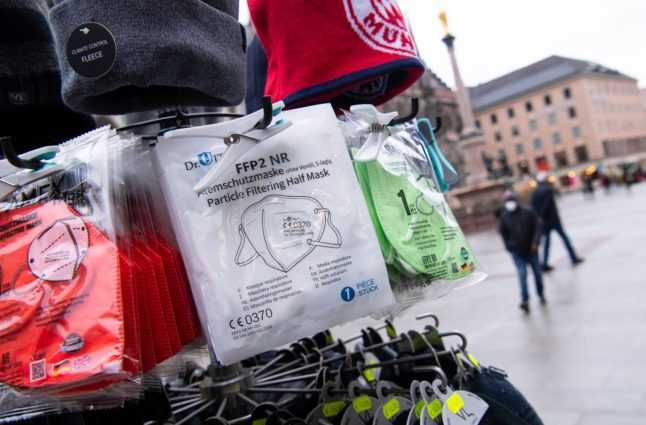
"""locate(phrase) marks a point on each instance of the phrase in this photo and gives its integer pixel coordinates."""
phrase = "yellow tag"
(361, 404)
(455, 403)
(368, 372)
(391, 408)
(333, 409)
(473, 360)
(330, 339)
(435, 408)
(391, 332)
(259, 422)
(418, 409)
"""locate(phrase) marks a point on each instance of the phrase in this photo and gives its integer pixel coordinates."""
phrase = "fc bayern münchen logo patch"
(381, 24)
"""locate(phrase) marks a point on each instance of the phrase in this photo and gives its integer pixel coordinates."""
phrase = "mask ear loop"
(13, 284)
(24, 316)
(243, 242)
(328, 223)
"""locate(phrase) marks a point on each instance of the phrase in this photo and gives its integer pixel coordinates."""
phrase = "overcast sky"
(495, 37)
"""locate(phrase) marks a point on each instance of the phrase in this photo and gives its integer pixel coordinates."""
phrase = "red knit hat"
(339, 51)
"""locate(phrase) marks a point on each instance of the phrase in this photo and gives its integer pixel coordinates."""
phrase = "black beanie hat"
(31, 109)
(168, 53)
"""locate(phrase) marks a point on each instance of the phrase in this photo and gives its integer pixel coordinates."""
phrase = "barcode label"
(37, 370)
(454, 268)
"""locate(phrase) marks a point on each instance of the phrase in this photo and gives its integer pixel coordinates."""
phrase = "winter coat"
(544, 205)
(520, 229)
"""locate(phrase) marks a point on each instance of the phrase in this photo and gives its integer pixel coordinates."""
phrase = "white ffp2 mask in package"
(279, 245)
(284, 230)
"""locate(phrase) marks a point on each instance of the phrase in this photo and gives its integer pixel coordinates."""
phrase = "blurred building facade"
(562, 115)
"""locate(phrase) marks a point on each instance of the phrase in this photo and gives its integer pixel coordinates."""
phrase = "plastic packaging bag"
(422, 244)
(66, 287)
(278, 242)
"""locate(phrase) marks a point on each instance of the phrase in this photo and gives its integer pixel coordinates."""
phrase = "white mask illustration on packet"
(283, 230)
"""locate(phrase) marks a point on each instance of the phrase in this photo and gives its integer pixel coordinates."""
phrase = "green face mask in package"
(420, 239)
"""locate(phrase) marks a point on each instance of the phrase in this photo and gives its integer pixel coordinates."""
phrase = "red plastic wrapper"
(61, 308)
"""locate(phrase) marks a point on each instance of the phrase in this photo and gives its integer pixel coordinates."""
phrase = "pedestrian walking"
(544, 205)
(521, 233)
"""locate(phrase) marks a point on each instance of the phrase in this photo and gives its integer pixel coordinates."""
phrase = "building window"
(561, 159)
(497, 136)
(552, 119)
(548, 100)
(572, 112)
(519, 148)
(556, 137)
(510, 112)
(576, 132)
(478, 123)
(514, 130)
(528, 106)
(494, 119)
(537, 143)
(532, 125)
(582, 153)
(566, 93)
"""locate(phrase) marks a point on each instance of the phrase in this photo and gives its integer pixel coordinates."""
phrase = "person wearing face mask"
(544, 205)
(521, 234)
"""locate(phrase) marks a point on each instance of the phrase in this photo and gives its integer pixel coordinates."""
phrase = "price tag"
(455, 403)
(434, 408)
(391, 332)
(418, 408)
(460, 407)
(368, 372)
(361, 404)
(391, 408)
(333, 408)
(473, 360)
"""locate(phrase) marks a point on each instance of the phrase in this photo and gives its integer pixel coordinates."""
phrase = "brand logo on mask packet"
(72, 343)
(205, 158)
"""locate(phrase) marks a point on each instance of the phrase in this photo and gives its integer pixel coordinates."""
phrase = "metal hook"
(424, 316)
(439, 372)
(458, 334)
(413, 113)
(14, 159)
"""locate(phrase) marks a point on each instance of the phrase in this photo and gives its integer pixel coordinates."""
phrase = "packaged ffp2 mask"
(280, 244)
(421, 241)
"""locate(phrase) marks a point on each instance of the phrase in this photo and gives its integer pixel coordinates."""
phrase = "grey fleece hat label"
(91, 50)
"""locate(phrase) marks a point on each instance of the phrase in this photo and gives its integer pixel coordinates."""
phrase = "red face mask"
(61, 307)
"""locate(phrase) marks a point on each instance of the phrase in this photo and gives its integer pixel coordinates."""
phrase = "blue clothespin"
(446, 174)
